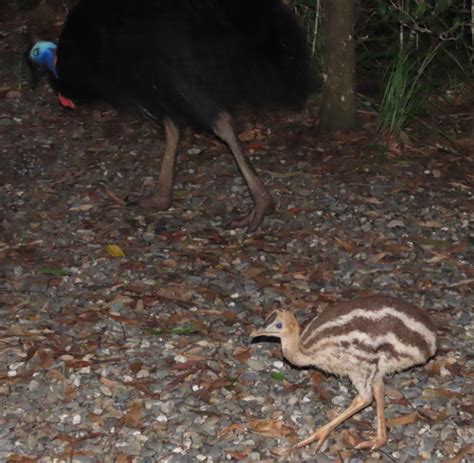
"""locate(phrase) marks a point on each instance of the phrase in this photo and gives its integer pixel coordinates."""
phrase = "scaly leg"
(161, 200)
(322, 433)
(381, 438)
(263, 203)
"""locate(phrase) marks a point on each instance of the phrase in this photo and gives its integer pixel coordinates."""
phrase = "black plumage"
(186, 62)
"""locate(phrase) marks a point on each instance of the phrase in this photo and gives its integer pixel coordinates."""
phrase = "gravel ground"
(124, 332)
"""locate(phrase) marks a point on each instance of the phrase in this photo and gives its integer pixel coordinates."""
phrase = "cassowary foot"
(372, 444)
(320, 435)
(161, 203)
(263, 207)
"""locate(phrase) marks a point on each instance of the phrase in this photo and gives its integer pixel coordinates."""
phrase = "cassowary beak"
(257, 333)
(254, 334)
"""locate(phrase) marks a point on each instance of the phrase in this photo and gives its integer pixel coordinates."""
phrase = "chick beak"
(255, 333)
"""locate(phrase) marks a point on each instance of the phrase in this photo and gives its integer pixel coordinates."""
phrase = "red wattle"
(66, 102)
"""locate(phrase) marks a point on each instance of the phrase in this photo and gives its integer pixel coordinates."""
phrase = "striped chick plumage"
(364, 339)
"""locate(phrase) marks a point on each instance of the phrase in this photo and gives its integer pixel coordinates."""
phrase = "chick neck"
(291, 346)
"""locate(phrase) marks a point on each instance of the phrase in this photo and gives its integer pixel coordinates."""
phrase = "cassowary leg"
(381, 438)
(321, 434)
(263, 203)
(161, 200)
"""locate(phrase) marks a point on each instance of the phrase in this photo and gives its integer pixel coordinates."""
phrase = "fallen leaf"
(242, 354)
(115, 198)
(45, 357)
(432, 415)
(440, 393)
(179, 330)
(269, 427)
(461, 455)
(55, 271)
(114, 250)
(108, 382)
(239, 454)
(135, 367)
(282, 450)
(132, 417)
(276, 375)
(233, 427)
(346, 245)
(403, 419)
(81, 208)
(317, 378)
(77, 364)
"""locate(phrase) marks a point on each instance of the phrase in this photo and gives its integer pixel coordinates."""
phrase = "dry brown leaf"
(14, 458)
(368, 199)
(122, 458)
(132, 417)
(349, 438)
(233, 427)
(346, 245)
(115, 198)
(108, 382)
(437, 257)
(430, 224)
(378, 257)
(242, 354)
(303, 276)
(69, 391)
(317, 378)
(81, 208)
(176, 292)
(403, 419)
(122, 319)
(239, 455)
(269, 427)
(461, 455)
(281, 450)
(135, 367)
(45, 357)
(441, 393)
(77, 364)
(432, 415)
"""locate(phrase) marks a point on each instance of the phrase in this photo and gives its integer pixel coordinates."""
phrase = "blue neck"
(48, 60)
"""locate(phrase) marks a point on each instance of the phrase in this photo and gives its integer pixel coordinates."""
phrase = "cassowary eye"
(35, 52)
(279, 325)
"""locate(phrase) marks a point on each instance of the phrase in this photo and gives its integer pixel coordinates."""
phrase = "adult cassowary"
(184, 62)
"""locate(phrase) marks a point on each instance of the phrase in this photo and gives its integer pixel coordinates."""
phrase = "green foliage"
(424, 44)
(384, 28)
(405, 91)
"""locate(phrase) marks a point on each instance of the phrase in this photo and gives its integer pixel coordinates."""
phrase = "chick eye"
(279, 325)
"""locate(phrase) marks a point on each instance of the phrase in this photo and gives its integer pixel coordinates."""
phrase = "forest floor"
(124, 333)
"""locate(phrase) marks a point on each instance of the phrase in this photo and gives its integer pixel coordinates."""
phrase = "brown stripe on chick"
(371, 304)
(271, 318)
(385, 325)
(357, 349)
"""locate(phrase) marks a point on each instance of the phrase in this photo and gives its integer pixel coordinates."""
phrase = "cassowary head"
(43, 54)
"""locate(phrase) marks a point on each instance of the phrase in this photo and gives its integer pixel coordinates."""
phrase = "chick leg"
(263, 203)
(161, 200)
(321, 434)
(381, 438)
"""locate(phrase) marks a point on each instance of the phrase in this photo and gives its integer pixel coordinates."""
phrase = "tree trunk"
(338, 109)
